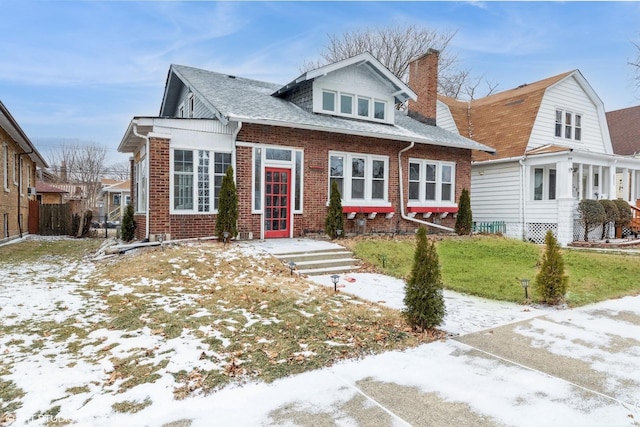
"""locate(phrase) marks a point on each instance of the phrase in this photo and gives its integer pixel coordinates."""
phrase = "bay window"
(361, 179)
(431, 182)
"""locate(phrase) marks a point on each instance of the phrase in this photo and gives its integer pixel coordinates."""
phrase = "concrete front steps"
(321, 261)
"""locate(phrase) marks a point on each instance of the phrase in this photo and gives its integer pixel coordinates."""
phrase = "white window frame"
(546, 181)
(338, 91)
(438, 201)
(347, 178)
(194, 210)
(260, 162)
(568, 121)
(190, 104)
(5, 167)
(335, 97)
(141, 185)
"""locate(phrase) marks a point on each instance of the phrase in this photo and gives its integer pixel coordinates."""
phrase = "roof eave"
(268, 122)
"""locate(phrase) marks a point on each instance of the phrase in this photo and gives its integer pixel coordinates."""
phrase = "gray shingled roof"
(245, 100)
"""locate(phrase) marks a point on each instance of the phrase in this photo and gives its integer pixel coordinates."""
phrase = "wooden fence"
(55, 220)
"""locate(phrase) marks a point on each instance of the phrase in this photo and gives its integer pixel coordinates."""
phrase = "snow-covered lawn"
(95, 345)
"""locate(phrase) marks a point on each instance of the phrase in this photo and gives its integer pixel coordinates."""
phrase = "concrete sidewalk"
(507, 365)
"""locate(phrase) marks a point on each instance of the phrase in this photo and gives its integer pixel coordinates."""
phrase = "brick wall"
(9, 199)
(316, 146)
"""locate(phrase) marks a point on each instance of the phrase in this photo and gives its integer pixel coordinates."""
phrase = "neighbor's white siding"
(495, 192)
(568, 95)
(444, 119)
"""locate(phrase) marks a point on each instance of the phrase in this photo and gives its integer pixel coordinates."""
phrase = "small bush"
(128, 227)
(227, 218)
(335, 217)
(551, 282)
(610, 215)
(423, 297)
(624, 213)
(464, 220)
(591, 214)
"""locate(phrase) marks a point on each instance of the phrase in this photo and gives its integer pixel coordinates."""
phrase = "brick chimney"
(423, 80)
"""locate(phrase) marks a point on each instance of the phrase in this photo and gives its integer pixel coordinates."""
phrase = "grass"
(490, 267)
(33, 250)
(243, 319)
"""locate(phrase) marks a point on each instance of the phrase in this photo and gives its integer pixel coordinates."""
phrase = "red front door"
(277, 202)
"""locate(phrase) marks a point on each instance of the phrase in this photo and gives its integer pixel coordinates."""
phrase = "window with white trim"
(431, 181)
(278, 157)
(190, 104)
(362, 179)
(140, 173)
(192, 175)
(353, 105)
(568, 125)
(5, 167)
(544, 183)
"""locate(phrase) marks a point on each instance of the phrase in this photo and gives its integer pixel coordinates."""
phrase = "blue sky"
(75, 72)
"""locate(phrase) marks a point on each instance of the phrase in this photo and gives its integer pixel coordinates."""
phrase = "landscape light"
(335, 278)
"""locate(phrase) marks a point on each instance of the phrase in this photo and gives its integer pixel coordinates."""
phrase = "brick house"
(287, 144)
(19, 160)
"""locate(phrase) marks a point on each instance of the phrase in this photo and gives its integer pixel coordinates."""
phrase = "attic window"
(568, 125)
(328, 101)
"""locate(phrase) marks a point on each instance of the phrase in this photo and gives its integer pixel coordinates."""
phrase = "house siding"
(302, 96)
(444, 118)
(568, 95)
(487, 204)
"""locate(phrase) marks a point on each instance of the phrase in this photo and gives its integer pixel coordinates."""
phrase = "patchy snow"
(602, 339)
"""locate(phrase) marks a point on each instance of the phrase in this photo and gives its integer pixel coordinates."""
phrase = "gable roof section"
(402, 91)
(10, 125)
(504, 120)
(236, 99)
(624, 128)
(43, 187)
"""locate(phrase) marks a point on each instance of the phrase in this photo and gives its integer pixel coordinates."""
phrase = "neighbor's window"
(364, 181)
(5, 166)
(568, 125)
(544, 184)
(431, 181)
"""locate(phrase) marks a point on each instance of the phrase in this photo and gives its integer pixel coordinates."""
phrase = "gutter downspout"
(402, 214)
(20, 187)
(523, 210)
(146, 155)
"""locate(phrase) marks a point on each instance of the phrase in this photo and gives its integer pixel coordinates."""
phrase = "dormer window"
(346, 104)
(328, 101)
(364, 106)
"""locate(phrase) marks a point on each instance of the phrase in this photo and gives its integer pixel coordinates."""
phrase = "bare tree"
(119, 171)
(636, 67)
(81, 166)
(395, 47)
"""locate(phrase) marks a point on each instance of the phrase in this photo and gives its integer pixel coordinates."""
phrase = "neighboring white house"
(553, 150)
(114, 198)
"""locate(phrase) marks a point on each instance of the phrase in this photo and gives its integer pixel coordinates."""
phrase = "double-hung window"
(197, 180)
(362, 179)
(431, 182)
(568, 125)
